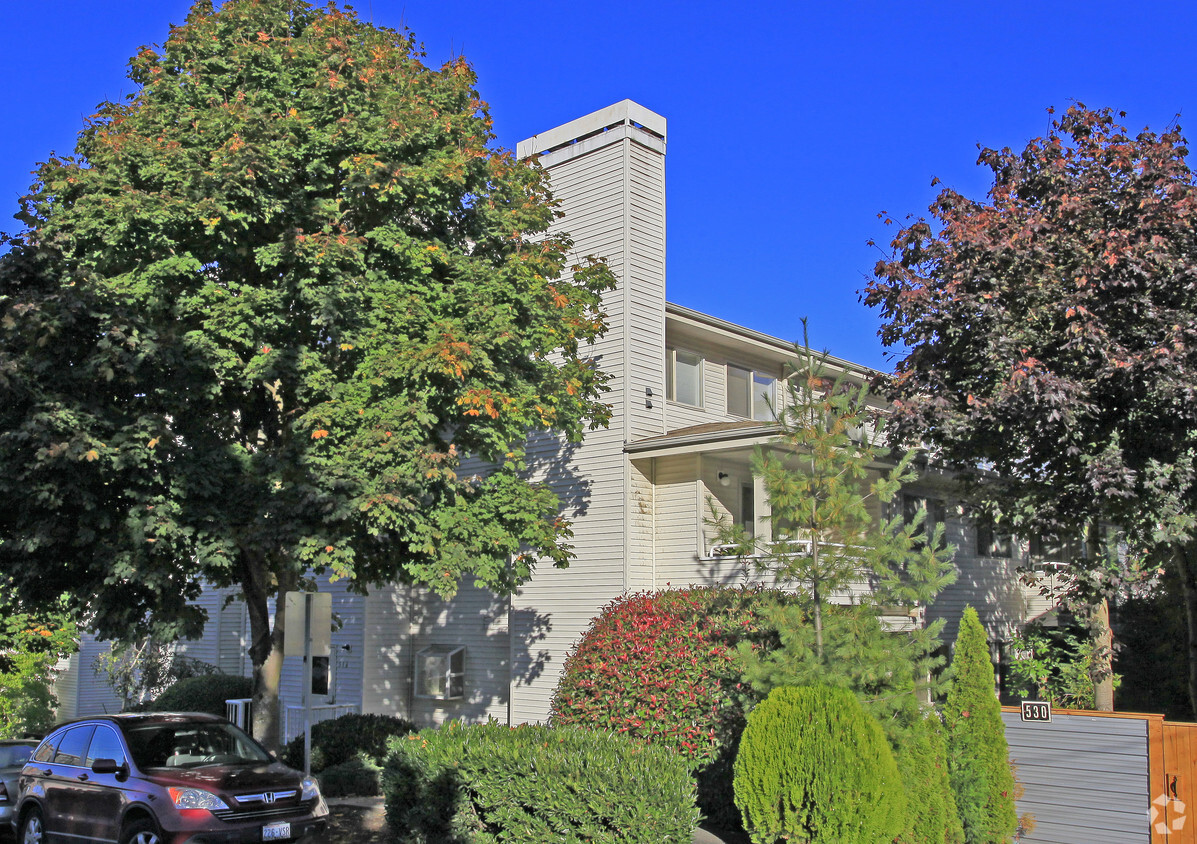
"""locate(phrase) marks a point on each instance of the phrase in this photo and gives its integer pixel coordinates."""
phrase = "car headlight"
(311, 789)
(194, 798)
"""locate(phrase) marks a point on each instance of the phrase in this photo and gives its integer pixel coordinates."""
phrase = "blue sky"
(791, 125)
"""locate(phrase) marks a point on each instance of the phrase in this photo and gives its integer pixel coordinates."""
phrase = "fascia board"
(707, 441)
(731, 332)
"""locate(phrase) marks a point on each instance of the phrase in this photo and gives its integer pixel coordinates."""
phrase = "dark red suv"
(161, 778)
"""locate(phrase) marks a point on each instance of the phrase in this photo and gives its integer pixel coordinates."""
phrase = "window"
(911, 505)
(993, 543)
(105, 745)
(683, 377)
(748, 509)
(45, 751)
(14, 755)
(440, 672)
(1049, 549)
(73, 749)
(749, 393)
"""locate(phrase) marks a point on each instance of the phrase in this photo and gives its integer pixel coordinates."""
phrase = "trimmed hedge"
(203, 694)
(488, 783)
(661, 666)
(341, 740)
(814, 766)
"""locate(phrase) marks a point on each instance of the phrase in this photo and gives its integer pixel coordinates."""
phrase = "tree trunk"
(1101, 670)
(1185, 559)
(818, 599)
(265, 650)
(1101, 666)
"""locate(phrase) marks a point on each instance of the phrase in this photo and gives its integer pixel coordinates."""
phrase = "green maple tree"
(256, 322)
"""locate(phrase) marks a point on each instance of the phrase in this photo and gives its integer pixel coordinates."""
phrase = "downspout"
(626, 340)
(411, 653)
(652, 486)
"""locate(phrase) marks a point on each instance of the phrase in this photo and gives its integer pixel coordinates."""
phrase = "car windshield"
(192, 744)
(14, 755)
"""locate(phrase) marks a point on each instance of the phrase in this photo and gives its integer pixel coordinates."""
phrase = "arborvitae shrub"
(931, 816)
(661, 666)
(979, 763)
(814, 766)
(488, 783)
(203, 694)
(340, 740)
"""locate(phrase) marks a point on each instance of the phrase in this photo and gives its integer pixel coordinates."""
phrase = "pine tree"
(824, 496)
(979, 766)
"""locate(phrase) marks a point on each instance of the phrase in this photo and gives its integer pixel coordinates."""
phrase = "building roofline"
(786, 346)
(624, 112)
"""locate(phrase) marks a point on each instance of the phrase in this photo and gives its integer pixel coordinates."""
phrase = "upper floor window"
(991, 542)
(683, 377)
(911, 505)
(1051, 549)
(750, 393)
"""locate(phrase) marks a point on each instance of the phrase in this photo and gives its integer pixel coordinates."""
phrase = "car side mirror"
(108, 766)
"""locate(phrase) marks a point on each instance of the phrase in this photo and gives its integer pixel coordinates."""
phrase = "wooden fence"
(1175, 805)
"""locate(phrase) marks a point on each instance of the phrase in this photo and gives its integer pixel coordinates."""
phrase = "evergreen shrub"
(813, 766)
(341, 740)
(921, 755)
(661, 666)
(488, 783)
(979, 758)
(360, 776)
(203, 694)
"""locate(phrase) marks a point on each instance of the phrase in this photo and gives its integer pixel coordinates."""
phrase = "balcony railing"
(293, 717)
(791, 546)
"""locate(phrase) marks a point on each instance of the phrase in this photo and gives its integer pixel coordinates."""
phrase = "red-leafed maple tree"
(1051, 344)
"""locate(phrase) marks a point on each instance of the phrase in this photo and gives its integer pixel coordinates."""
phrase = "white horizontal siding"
(988, 584)
(642, 520)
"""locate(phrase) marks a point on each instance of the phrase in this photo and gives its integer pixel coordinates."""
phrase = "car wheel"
(140, 831)
(32, 829)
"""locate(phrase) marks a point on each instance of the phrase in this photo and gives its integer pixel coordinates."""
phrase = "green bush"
(661, 666)
(360, 776)
(487, 783)
(203, 694)
(814, 766)
(341, 740)
(26, 701)
(979, 758)
(922, 763)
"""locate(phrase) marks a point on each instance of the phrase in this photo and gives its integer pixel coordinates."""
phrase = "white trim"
(625, 112)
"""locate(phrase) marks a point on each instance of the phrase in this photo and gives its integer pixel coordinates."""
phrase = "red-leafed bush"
(661, 666)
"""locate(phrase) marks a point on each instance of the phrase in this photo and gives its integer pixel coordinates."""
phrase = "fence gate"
(1174, 810)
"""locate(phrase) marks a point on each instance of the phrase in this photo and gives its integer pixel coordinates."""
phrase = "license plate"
(276, 832)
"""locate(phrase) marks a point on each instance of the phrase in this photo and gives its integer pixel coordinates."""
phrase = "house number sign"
(1037, 710)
